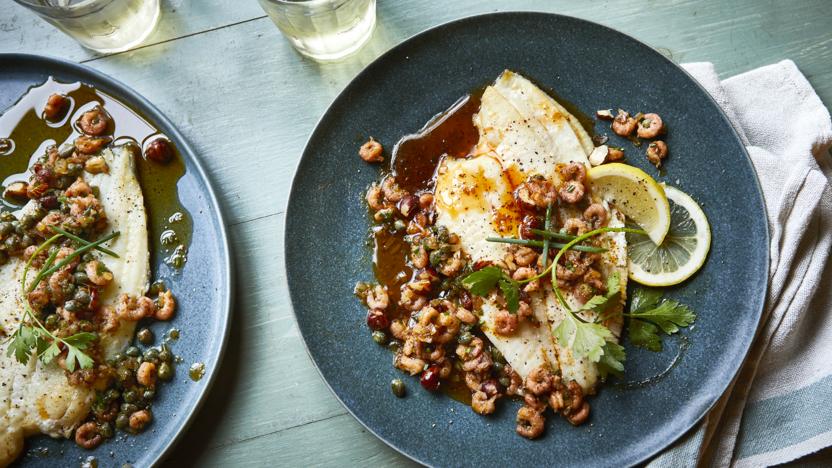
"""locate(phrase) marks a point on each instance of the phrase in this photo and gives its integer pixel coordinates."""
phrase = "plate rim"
(758, 311)
(153, 113)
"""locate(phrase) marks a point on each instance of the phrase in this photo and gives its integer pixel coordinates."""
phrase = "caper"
(124, 375)
(499, 366)
(118, 357)
(73, 306)
(11, 242)
(165, 371)
(27, 240)
(52, 321)
(397, 386)
(7, 216)
(112, 395)
(133, 352)
(177, 261)
(39, 211)
(81, 277)
(437, 257)
(73, 169)
(165, 355)
(157, 287)
(131, 363)
(6, 228)
(505, 381)
(465, 337)
(122, 420)
(88, 257)
(26, 222)
(106, 430)
(129, 408)
(82, 296)
(497, 355)
(86, 325)
(394, 346)
(152, 354)
(145, 336)
(379, 337)
(130, 396)
(149, 394)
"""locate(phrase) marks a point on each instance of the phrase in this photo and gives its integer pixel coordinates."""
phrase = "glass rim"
(83, 8)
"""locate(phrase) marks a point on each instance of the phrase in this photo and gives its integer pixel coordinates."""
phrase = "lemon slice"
(683, 251)
(636, 194)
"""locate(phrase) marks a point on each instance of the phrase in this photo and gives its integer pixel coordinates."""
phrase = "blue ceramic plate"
(203, 287)
(593, 67)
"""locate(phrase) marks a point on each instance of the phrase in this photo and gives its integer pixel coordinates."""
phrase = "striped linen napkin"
(779, 407)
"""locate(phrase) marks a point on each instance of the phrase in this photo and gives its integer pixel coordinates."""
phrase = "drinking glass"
(105, 26)
(324, 29)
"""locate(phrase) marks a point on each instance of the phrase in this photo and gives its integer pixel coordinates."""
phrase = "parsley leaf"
(644, 335)
(600, 304)
(585, 338)
(511, 291)
(645, 298)
(21, 345)
(481, 282)
(649, 317)
(612, 360)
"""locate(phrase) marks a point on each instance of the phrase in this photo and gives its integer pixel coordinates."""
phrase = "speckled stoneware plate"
(203, 287)
(593, 67)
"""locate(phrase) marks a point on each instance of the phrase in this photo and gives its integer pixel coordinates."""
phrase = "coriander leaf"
(669, 316)
(612, 360)
(512, 294)
(50, 353)
(644, 335)
(481, 282)
(645, 298)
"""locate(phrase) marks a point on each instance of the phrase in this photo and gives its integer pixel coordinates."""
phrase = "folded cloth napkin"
(779, 407)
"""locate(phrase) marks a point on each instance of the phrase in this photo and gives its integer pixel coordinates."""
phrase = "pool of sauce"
(169, 223)
(414, 162)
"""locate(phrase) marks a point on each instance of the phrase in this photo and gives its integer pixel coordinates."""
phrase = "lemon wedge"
(636, 194)
(683, 251)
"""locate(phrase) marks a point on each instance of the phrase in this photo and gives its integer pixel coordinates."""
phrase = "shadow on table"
(215, 408)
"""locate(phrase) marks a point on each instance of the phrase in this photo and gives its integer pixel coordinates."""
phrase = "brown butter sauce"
(414, 162)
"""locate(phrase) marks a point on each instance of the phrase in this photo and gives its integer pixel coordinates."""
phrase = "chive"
(84, 242)
(44, 273)
(537, 243)
(546, 239)
(547, 234)
(36, 253)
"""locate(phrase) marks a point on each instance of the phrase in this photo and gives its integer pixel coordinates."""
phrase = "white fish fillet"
(523, 132)
(37, 398)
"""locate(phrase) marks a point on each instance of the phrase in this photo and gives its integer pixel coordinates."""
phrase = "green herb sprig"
(649, 317)
(33, 337)
(482, 281)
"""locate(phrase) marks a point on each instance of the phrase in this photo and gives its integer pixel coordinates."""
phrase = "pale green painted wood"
(247, 102)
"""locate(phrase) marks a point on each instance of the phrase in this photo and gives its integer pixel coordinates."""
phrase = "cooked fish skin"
(524, 132)
(37, 398)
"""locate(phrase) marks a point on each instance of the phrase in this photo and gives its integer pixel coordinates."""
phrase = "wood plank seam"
(184, 36)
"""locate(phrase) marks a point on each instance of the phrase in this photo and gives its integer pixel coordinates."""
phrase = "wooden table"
(221, 71)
